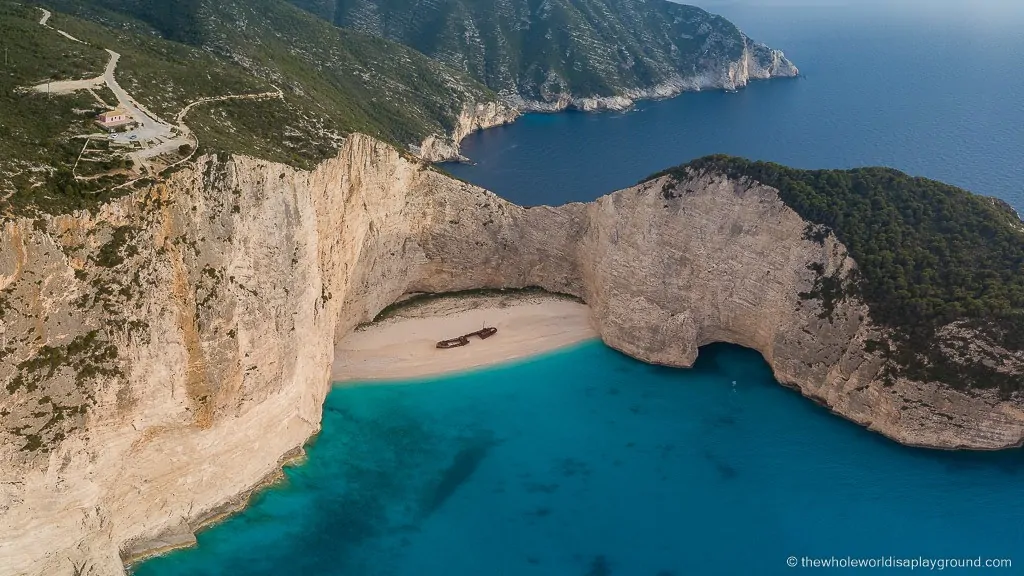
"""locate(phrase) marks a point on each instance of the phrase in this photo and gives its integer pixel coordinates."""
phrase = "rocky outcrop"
(474, 117)
(734, 262)
(757, 62)
(557, 54)
(161, 356)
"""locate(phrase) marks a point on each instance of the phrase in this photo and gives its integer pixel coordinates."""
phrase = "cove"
(586, 462)
(922, 87)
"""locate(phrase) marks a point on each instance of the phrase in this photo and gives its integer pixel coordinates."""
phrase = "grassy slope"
(928, 254)
(596, 47)
(35, 130)
(335, 82)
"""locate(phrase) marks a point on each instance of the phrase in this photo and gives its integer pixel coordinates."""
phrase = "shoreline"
(183, 535)
(402, 346)
(621, 103)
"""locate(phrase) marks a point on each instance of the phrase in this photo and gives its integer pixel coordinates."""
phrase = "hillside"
(940, 267)
(164, 354)
(344, 79)
(333, 82)
(36, 132)
(558, 53)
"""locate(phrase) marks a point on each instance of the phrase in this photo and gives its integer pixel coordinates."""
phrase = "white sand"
(403, 346)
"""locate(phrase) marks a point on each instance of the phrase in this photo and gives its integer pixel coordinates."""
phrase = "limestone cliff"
(584, 54)
(474, 117)
(756, 62)
(162, 355)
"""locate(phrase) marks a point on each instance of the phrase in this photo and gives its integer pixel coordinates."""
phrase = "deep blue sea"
(587, 463)
(931, 87)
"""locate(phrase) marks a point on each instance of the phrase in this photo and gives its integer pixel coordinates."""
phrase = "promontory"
(169, 310)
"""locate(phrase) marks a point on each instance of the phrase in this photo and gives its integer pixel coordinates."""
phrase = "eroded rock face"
(756, 62)
(475, 117)
(185, 334)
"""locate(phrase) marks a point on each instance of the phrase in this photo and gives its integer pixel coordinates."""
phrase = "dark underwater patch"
(725, 470)
(599, 566)
(572, 467)
(455, 475)
(538, 487)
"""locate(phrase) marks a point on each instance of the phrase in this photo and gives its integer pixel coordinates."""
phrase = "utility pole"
(5, 57)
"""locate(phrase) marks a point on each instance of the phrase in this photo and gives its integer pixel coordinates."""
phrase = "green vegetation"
(542, 50)
(37, 148)
(231, 125)
(335, 82)
(107, 95)
(114, 251)
(35, 54)
(928, 254)
(163, 75)
(87, 355)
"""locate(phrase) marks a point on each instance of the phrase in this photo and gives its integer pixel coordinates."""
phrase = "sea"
(934, 88)
(584, 462)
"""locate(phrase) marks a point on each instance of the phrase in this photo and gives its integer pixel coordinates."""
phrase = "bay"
(931, 89)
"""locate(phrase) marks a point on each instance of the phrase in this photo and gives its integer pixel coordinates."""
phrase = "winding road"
(156, 136)
(150, 127)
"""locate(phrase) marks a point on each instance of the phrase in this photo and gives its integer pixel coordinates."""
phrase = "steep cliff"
(755, 62)
(162, 355)
(445, 148)
(557, 54)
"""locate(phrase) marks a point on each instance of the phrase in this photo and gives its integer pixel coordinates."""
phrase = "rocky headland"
(478, 116)
(163, 353)
(584, 54)
(756, 62)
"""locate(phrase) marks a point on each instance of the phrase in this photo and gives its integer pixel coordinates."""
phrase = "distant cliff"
(161, 355)
(584, 54)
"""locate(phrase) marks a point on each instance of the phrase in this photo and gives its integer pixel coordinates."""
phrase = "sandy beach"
(403, 345)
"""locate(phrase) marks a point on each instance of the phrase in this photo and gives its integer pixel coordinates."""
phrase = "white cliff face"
(732, 262)
(757, 62)
(246, 271)
(763, 62)
(223, 292)
(474, 117)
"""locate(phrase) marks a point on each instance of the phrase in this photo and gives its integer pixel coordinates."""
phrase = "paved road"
(69, 36)
(150, 127)
(156, 136)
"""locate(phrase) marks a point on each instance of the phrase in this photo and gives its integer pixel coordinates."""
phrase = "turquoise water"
(588, 463)
(932, 87)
